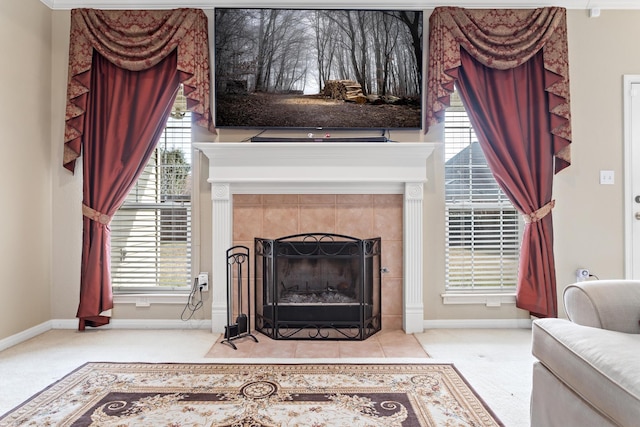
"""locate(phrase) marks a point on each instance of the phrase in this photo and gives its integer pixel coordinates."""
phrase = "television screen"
(330, 69)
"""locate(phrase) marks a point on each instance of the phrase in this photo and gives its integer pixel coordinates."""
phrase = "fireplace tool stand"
(238, 263)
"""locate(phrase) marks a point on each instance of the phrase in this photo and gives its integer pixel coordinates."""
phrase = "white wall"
(25, 175)
(589, 216)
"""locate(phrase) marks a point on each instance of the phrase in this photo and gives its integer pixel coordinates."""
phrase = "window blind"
(483, 229)
(151, 232)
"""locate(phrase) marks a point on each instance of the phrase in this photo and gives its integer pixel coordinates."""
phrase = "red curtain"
(513, 72)
(508, 111)
(125, 67)
(126, 114)
(502, 39)
(135, 40)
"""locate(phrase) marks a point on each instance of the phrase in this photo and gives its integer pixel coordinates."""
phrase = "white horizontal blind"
(151, 232)
(483, 229)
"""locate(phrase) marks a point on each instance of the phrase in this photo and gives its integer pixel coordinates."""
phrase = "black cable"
(192, 307)
(258, 134)
(593, 275)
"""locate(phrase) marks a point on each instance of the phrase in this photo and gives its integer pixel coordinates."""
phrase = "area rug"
(254, 395)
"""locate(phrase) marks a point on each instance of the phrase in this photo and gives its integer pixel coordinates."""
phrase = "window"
(151, 232)
(483, 229)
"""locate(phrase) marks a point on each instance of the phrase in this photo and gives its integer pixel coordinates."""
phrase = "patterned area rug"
(252, 395)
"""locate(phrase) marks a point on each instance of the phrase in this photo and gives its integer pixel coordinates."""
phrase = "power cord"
(190, 306)
(253, 136)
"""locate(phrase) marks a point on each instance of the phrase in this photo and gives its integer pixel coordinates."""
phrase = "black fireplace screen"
(317, 286)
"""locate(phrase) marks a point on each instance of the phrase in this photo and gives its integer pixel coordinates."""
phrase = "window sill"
(145, 300)
(490, 300)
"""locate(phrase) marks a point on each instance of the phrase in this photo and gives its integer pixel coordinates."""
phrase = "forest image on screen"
(293, 68)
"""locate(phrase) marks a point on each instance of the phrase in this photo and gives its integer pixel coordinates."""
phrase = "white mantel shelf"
(311, 167)
(319, 168)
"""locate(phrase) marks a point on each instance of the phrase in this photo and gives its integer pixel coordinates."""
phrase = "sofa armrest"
(607, 304)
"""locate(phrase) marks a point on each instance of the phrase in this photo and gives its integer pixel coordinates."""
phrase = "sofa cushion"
(599, 365)
(605, 304)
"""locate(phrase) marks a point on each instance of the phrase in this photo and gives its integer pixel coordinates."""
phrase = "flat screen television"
(318, 69)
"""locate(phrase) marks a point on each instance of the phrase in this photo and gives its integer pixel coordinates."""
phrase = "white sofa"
(588, 367)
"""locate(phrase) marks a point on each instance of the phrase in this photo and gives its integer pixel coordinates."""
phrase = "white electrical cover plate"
(607, 177)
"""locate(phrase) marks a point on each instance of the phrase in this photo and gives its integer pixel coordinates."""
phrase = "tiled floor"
(384, 344)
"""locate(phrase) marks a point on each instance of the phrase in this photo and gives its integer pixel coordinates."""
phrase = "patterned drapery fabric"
(125, 117)
(135, 40)
(502, 39)
(510, 119)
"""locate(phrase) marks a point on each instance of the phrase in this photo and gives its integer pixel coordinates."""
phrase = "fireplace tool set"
(238, 270)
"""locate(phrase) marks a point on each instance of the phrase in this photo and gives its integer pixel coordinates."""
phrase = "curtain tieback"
(94, 215)
(537, 215)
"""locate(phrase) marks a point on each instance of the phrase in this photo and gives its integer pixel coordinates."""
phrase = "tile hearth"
(384, 344)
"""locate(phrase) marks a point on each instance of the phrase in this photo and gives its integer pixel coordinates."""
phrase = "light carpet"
(150, 394)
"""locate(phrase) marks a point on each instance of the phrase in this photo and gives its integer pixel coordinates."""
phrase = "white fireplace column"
(413, 260)
(319, 168)
(222, 230)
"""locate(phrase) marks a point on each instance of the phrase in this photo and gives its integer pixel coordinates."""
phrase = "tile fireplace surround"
(319, 168)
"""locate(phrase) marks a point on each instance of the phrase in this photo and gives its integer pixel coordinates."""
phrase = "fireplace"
(320, 168)
(318, 286)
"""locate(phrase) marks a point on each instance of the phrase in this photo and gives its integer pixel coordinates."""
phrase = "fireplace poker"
(241, 320)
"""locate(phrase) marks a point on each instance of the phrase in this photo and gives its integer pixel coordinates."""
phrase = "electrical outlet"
(582, 274)
(607, 177)
(203, 281)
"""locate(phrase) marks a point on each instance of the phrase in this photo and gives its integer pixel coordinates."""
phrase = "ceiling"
(593, 5)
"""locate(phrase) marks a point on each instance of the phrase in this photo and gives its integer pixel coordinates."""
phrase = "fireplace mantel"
(316, 167)
(319, 168)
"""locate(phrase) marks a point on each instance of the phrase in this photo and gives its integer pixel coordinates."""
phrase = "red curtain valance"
(135, 40)
(502, 39)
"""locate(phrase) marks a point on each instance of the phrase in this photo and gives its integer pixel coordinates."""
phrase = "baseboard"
(25, 335)
(478, 324)
(206, 324)
(139, 324)
(115, 324)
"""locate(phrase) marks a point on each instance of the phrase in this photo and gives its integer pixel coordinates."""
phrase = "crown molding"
(335, 4)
